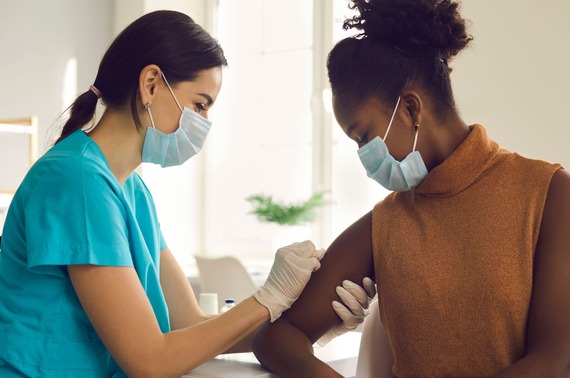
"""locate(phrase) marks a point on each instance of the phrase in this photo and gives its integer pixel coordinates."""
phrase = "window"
(268, 135)
(262, 136)
(273, 133)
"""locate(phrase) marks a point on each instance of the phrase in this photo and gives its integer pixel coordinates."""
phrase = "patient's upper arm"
(348, 257)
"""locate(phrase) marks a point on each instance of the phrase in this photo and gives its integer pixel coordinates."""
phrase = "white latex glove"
(354, 308)
(291, 270)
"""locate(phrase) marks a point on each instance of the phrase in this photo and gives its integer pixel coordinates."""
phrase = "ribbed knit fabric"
(454, 261)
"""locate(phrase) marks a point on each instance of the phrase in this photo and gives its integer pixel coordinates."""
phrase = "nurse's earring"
(147, 108)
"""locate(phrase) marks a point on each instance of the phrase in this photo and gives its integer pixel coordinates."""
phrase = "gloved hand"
(356, 300)
(291, 270)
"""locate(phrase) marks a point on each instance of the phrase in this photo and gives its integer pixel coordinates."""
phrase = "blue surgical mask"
(176, 148)
(399, 176)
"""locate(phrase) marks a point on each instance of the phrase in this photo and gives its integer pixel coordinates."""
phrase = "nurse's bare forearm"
(183, 307)
(294, 357)
(215, 336)
(242, 346)
(126, 323)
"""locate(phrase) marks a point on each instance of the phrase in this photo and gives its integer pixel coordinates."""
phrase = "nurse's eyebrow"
(209, 100)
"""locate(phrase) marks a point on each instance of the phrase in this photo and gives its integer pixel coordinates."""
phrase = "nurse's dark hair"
(169, 39)
(401, 43)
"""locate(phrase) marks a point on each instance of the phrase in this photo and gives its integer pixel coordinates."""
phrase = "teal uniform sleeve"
(76, 215)
(163, 244)
(140, 196)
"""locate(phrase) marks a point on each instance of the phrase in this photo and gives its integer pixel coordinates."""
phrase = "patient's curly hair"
(401, 42)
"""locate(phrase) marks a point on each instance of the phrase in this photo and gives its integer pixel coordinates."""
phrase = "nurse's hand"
(291, 270)
(353, 309)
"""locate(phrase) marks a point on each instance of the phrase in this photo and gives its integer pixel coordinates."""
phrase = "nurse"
(88, 286)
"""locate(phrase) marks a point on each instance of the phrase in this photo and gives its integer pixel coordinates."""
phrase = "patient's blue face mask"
(399, 176)
(176, 148)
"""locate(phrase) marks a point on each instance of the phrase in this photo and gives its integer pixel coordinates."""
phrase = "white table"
(341, 354)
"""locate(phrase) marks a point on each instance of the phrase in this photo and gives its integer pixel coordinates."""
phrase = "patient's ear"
(413, 106)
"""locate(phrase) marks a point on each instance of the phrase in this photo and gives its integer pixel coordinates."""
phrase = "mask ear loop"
(147, 108)
(391, 119)
(171, 91)
(417, 125)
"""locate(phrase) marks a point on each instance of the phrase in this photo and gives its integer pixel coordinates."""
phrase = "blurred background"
(274, 132)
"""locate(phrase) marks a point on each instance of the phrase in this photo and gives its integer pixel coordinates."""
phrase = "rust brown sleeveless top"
(454, 261)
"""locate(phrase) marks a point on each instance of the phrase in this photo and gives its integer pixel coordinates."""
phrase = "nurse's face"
(198, 95)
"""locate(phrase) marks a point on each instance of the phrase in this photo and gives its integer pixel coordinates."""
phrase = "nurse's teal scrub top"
(70, 209)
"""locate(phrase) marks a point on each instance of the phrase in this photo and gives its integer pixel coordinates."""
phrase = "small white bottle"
(230, 302)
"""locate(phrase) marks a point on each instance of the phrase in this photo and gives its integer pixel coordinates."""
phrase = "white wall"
(515, 78)
(49, 51)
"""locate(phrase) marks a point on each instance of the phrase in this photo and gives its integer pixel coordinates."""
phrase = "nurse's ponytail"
(169, 39)
(81, 113)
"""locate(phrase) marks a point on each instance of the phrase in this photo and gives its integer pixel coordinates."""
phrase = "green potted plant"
(269, 210)
(283, 223)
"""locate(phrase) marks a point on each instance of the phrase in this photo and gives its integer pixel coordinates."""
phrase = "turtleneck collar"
(462, 167)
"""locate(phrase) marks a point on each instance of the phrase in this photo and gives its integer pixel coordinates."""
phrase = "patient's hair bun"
(416, 27)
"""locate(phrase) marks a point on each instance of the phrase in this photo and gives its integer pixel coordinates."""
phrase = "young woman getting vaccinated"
(88, 286)
(471, 250)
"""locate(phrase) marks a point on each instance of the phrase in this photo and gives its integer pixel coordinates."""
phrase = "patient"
(470, 253)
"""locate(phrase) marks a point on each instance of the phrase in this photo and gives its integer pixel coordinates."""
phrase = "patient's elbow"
(263, 344)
